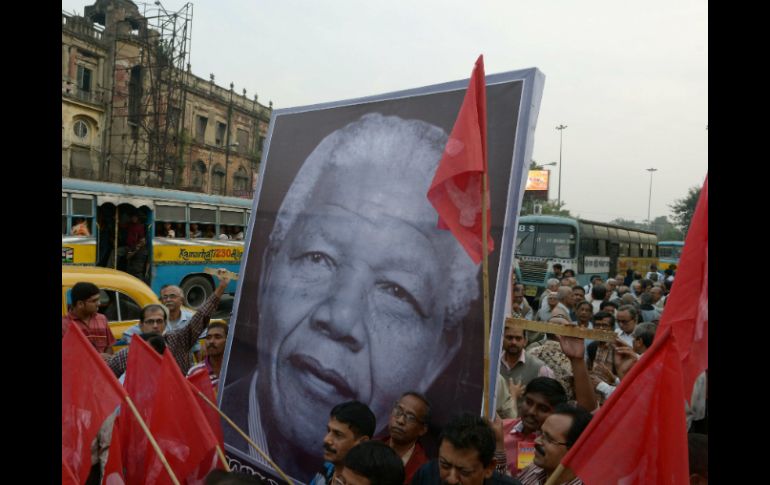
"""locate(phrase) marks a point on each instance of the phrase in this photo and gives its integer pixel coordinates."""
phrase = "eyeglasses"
(152, 321)
(548, 439)
(624, 321)
(397, 412)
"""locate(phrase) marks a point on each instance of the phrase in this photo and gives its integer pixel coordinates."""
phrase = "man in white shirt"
(627, 319)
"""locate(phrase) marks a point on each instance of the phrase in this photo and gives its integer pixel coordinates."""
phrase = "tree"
(683, 209)
(662, 227)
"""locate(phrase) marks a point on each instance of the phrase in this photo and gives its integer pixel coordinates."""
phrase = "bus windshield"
(670, 252)
(546, 240)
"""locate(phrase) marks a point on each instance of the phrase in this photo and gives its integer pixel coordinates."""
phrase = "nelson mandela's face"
(353, 302)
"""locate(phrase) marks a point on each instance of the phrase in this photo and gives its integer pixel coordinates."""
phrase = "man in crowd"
(559, 432)
(551, 286)
(610, 307)
(658, 276)
(465, 456)
(515, 364)
(594, 280)
(350, 423)
(598, 296)
(216, 339)
(541, 395)
(567, 301)
(408, 422)
(646, 308)
(556, 272)
(636, 288)
(372, 463)
(612, 285)
(578, 294)
(519, 306)
(179, 342)
(172, 297)
(627, 319)
(643, 334)
(84, 312)
(658, 298)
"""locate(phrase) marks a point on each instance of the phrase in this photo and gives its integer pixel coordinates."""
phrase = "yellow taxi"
(122, 296)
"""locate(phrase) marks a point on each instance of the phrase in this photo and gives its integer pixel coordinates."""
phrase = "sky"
(628, 79)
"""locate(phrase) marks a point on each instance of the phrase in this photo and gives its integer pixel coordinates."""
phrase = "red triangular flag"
(201, 381)
(456, 189)
(141, 382)
(113, 469)
(639, 436)
(180, 428)
(686, 310)
(89, 394)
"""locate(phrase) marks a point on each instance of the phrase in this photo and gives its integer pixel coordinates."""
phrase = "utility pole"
(649, 201)
(561, 132)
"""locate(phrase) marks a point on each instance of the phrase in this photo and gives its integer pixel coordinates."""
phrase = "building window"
(198, 174)
(243, 141)
(84, 78)
(81, 129)
(218, 180)
(221, 132)
(241, 181)
(200, 129)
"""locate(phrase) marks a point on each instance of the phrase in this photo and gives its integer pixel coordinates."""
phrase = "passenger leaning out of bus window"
(80, 228)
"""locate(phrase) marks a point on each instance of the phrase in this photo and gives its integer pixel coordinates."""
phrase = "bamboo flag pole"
(552, 480)
(485, 277)
(152, 439)
(246, 437)
(222, 458)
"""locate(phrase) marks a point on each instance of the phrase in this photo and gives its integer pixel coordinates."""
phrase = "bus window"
(624, 250)
(525, 240)
(82, 216)
(555, 241)
(634, 250)
(64, 215)
(206, 220)
(170, 221)
(601, 247)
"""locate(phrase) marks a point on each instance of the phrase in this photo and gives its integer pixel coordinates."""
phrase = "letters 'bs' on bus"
(160, 236)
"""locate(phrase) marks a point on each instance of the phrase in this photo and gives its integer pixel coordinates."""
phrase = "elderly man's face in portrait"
(353, 302)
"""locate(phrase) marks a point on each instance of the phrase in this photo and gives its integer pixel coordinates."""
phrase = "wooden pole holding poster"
(485, 283)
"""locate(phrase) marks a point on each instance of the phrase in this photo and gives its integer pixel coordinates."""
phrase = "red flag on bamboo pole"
(201, 381)
(90, 393)
(113, 469)
(686, 310)
(141, 382)
(180, 428)
(456, 189)
(639, 436)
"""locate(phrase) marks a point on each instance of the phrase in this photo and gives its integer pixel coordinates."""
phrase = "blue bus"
(182, 233)
(586, 247)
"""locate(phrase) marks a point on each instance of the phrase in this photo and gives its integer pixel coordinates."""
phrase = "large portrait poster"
(348, 290)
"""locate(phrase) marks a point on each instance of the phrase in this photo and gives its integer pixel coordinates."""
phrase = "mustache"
(329, 448)
(539, 449)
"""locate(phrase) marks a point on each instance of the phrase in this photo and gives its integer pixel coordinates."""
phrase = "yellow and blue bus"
(669, 253)
(183, 232)
(586, 247)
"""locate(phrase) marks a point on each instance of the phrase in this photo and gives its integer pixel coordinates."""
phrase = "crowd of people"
(547, 390)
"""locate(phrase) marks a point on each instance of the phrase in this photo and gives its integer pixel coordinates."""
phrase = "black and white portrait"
(348, 288)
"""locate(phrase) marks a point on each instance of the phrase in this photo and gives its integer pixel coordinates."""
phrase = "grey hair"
(631, 309)
(551, 282)
(411, 149)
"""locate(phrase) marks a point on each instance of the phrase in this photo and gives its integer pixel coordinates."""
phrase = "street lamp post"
(649, 201)
(561, 132)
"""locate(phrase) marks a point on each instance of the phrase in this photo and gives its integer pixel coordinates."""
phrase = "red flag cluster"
(639, 435)
(186, 434)
(456, 190)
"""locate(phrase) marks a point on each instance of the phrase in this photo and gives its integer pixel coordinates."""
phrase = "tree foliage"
(665, 230)
(684, 208)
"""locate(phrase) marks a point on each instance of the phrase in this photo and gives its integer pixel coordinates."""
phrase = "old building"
(133, 112)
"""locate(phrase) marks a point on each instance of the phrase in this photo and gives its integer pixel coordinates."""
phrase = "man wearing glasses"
(84, 312)
(408, 422)
(559, 432)
(627, 319)
(179, 342)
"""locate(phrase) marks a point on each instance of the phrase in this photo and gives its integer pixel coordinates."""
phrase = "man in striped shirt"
(559, 432)
(216, 338)
(179, 342)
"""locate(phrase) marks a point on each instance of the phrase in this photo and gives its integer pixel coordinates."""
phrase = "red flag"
(686, 310)
(113, 469)
(639, 436)
(180, 428)
(141, 382)
(67, 475)
(201, 381)
(456, 189)
(89, 394)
